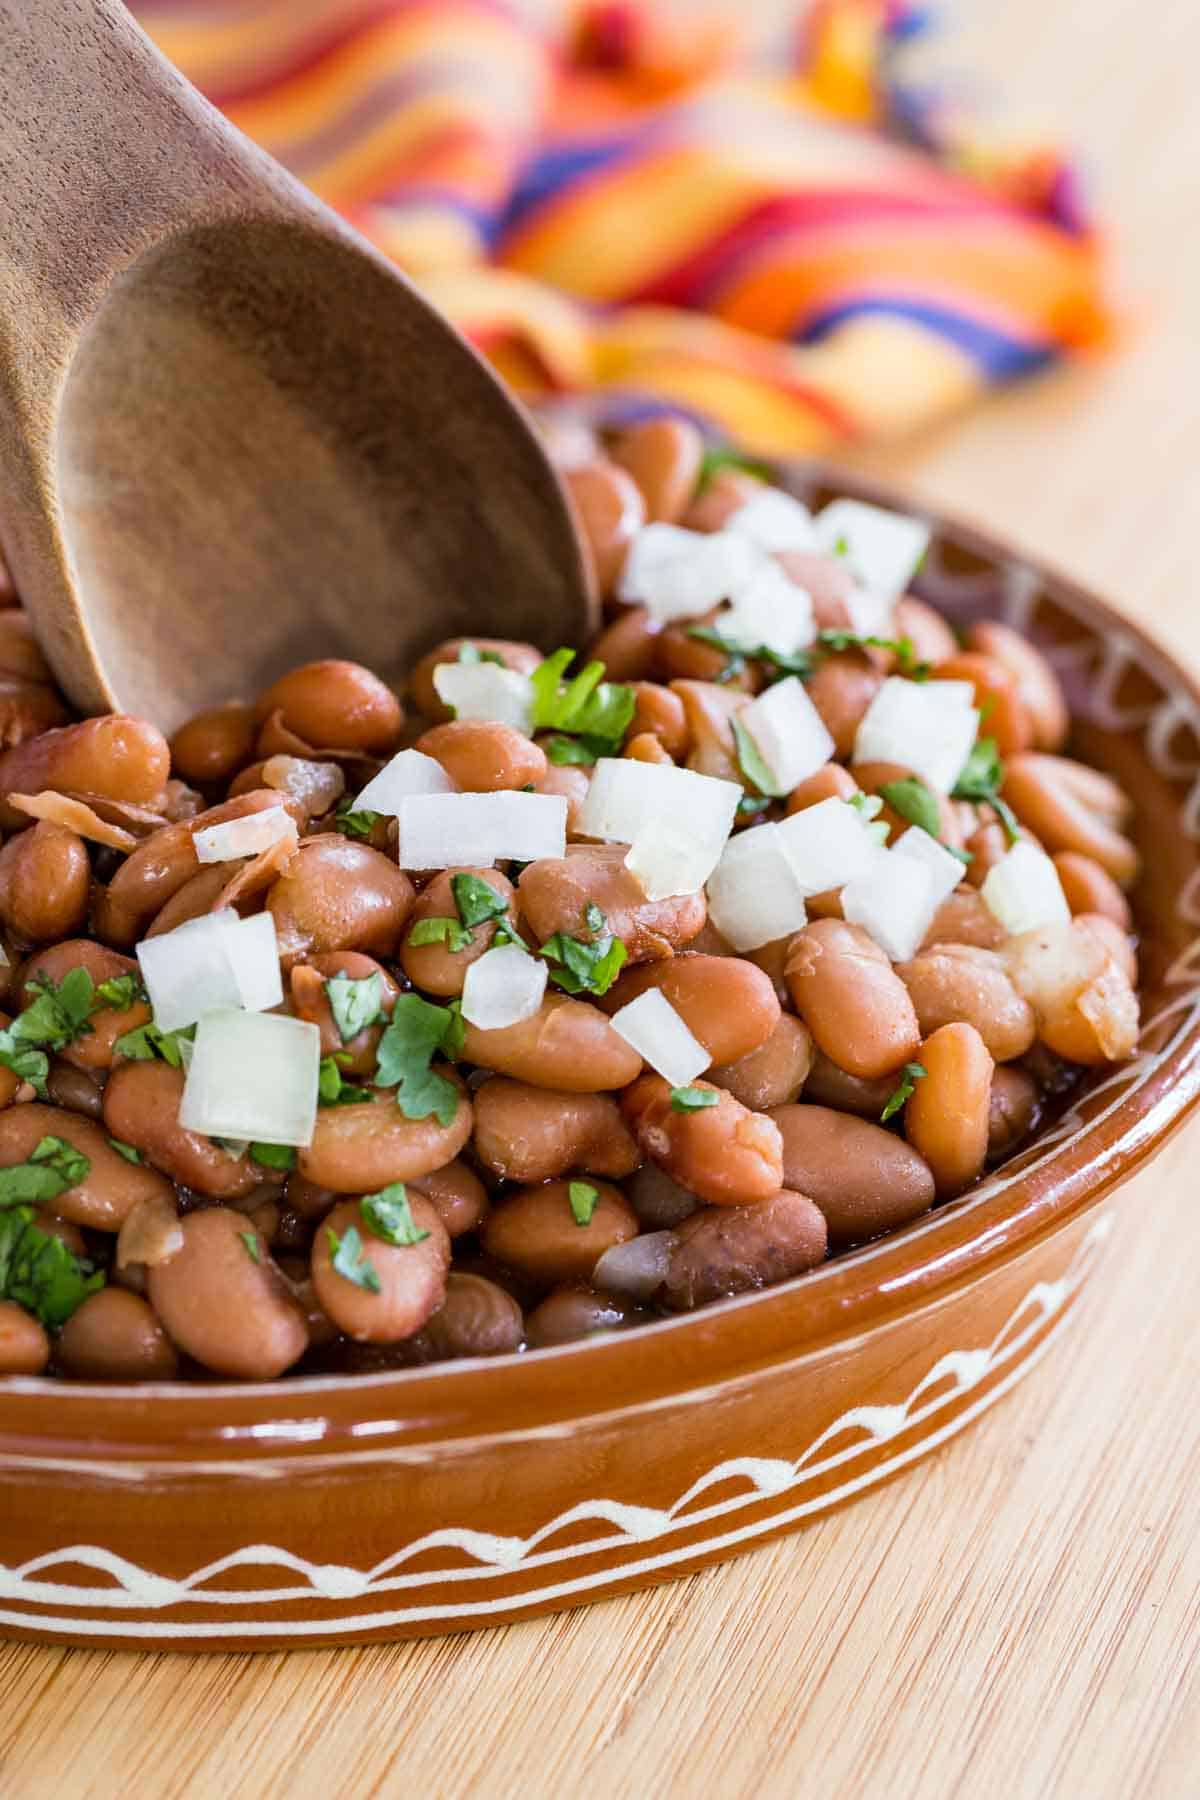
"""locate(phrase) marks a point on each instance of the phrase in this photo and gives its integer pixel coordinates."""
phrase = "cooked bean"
(214, 745)
(772, 1074)
(864, 1179)
(476, 1318)
(987, 845)
(659, 711)
(827, 1085)
(397, 1287)
(96, 1048)
(361, 1148)
(1089, 888)
(829, 583)
(457, 1196)
(851, 999)
(718, 499)
(555, 894)
(483, 757)
(436, 968)
(115, 1336)
(335, 704)
(772, 960)
(997, 695)
(609, 507)
(225, 1304)
(665, 457)
(947, 1116)
(962, 918)
(1071, 807)
(577, 1311)
(523, 659)
(141, 1107)
(337, 895)
(1115, 941)
(306, 1199)
(150, 1232)
(525, 1133)
(310, 1000)
(202, 894)
(680, 656)
(874, 777)
(725, 1250)
(112, 1186)
(1012, 1110)
(314, 787)
(722, 1153)
(567, 1044)
(71, 1087)
(27, 709)
(659, 1202)
(1087, 1011)
(842, 688)
(114, 756)
(710, 710)
(44, 880)
(24, 1346)
(727, 1003)
(571, 784)
(20, 654)
(1038, 685)
(959, 982)
(536, 1231)
(628, 647)
(926, 630)
(831, 782)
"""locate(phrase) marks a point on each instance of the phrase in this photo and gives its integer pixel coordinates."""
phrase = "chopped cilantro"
(750, 761)
(148, 1042)
(693, 1099)
(799, 663)
(476, 901)
(350, 1260)
(587, 707)
(471, 653)
(389, 1216)
(719, 457)
(273, 1156)
(126, 1150)
(915, 802)
(584, 1200)
(332, 1087)
(441, 930)
(903, 649)
(40, 1272)
(250, 1239)
(981, 778)
(355, 824)
(750, 805)
(120, 992)
(909, 1077)
(56, 1016)
(52, 1168)
(566, 752)
(586, 968)
(416, 1031)
(354, 1004)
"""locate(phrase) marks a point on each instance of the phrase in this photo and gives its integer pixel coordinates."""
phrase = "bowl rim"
(662, 1361)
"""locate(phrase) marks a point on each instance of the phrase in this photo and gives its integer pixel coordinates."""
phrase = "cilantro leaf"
(587, 707)
(471, 653)
(909, 1077)
(903, 649)
(148, 1042)
(477, 902)
(800, 662)
(126, 1150)
(750, 805)
(350, 1260)
(354, 1004)
(416, 1032)
(250, 1239)
(389, 1216)
(57, 1015)
(355, 824)
(120, 992)
(693, 1099)
(28, 1065)
(584, 1199)
(750, 761)
(981, 778)
(580, 753)
(719, 457)
(273, 1156)
(441, 930)
(915, 802)
(333, 1089)
(586, 968)
(52, 1168)
(40, 1272)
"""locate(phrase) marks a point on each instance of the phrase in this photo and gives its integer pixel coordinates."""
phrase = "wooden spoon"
(232, 437)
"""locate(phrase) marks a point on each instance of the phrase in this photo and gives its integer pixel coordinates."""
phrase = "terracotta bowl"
(333, 1510)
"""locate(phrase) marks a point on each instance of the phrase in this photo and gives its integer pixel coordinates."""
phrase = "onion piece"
(677, 574)
(770, 612)
(76, 815)
(753, 894)
(504, 986)
(216, 962)
(409, 772)
(883, 549)
(790, 734)
(636, 1268)
(676, 822)
(775, 521)
(658, 1033)
(485, 690)
(445, 831)
(248, 836)
(1023, 890)
(827, 845)
(946, 870)
(926, 726)
(894, 902)
(253, 1076)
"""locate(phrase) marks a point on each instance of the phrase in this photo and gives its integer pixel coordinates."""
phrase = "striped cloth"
(619, 202)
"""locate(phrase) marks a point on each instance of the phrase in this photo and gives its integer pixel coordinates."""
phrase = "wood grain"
(1021, 1616)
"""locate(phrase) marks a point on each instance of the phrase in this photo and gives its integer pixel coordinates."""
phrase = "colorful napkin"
(632, 205)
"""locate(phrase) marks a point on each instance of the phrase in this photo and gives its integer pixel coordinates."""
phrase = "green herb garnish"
(120, 992)
(354, 823)
(751, 763)
(273, 1156)
(440, 930)
(693, 1099)
(584, 968)
(910, 1075)
(476, 901)
(799, 663)
(126, 1150)
(148, 1043)
(52, 1168)
(40, 1272)
(250, 1239)
(903, 648)
(719, 457)
(55, 1017)
(915, 802)
(981, 778)
(567, 752)
(417, 1031)
(584, 1200)
(350, 1260)
(595, 711)
(471, 653)
(389, 1216)
(332, 1087)
(354, 1004)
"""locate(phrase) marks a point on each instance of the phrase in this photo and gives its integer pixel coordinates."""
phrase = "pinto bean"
(946, 1118)
(611, 511)
(864, 1179)
(665, 457)
(958, 982)
(483, 757)
(723, 1153)
(457, 1196)
(1037, 684)
(682, 657)
(709, 710)
(1115, 941)
(571, 784)
(310, 1000)
(112, 1186)
(772, 960)
(727, 1003)
(476, 1318)
(24, 1345)
(926, 630)
(841, 688)
(555, 894)
(1012, 1110)
(535, 1231)
(851, 999)
(96, 1049)
(141, 1107)
(361, 1148)
(726, 1250)
(214, 745)
(436, 968)
(874, 777)
(525, 1133)
(523, 659)
(150, 1232)
(406, 1283)
(1086, 1008)
(115, 1336)
(717, 500)
(997, 694)
(577, 1311)
(1071, 807)
(1089, 888)
(659, 711)
(772, 1074)
(628, 647)
(962, 918)
(987, 845)
(659, 1202)
(567, 1044)
(114, 756)
(337, 895)
(226, 1304)
(73, 1088)
(27, 709)
(44, 880)
(335, 704)
(827, 1085)
(831, 782)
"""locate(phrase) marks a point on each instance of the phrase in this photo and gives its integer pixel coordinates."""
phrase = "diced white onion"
(789, 732)
(870, 614)
(635, 803)
(636, 1268)
(677, 574)
(247, 836)
(207, 964)
(753, 894)
(484, 690)
(658, 1033)
(409, 772)
(926, 726)
(253, 1076)
(775, 522)
(826, 845)
(1023, 890)
(504, 986)
(769, 612)
(946, 870)
(440, 831)
(893, 901)
(882, 549)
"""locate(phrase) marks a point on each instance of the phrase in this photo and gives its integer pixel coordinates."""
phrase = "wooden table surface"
(1019, 1617)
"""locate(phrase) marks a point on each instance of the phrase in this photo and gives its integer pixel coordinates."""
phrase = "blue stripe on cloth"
(558, 168)
(1000, 356)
